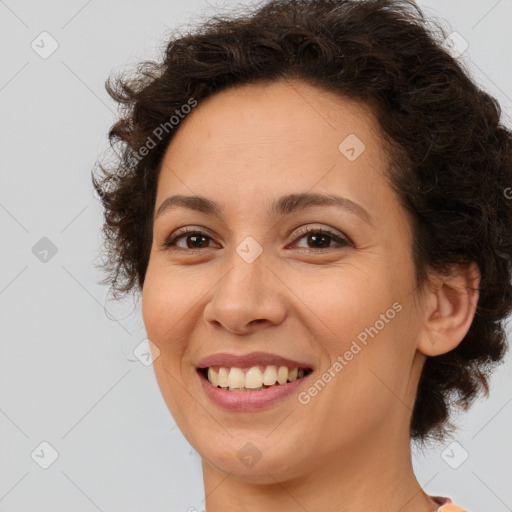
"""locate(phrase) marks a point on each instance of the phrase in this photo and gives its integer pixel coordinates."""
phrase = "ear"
(450, 307)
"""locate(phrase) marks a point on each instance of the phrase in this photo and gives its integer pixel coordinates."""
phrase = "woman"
(312, 201)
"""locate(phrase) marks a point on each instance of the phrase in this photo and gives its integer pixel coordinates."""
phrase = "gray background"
(67, 372)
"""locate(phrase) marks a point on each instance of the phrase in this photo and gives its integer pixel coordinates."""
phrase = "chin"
(254, 458)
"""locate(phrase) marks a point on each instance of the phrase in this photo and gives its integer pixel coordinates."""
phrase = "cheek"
(165, 300)
(162, 308)
(346, 303)
(366, 320)
(368, 372)
(153, 307)
(161, 312)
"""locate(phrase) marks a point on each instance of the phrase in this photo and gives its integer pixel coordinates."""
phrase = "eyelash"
(344, 242)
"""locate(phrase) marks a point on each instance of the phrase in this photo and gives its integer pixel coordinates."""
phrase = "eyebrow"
(278, 208)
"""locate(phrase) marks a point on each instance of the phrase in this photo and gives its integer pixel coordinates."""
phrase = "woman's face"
(249, 281)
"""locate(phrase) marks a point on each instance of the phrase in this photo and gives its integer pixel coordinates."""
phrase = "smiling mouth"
(255, 378)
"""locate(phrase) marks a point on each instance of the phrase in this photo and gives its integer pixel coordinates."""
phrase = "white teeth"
(235, 379)
(270, 375)
(213, 376)
(282, 375)
(223, 381)
(253, 378)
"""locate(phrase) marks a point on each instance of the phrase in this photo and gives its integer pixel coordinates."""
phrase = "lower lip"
(249, 400)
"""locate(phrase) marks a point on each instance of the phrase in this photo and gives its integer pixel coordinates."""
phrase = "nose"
(248, 297)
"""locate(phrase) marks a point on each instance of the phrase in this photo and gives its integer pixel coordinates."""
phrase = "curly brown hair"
(452, 156)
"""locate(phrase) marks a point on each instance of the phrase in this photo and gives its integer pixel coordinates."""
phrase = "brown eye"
(318, 239)
(193, 240)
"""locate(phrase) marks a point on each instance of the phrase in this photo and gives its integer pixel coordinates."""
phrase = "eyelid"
(339, 237)
(334, 233)
(186, 230)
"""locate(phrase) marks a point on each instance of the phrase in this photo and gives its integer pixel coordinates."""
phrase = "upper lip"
(249, 360)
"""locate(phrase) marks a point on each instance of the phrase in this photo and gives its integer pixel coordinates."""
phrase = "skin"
(348, 449)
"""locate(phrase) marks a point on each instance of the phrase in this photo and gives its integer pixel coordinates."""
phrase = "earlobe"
(450, 309)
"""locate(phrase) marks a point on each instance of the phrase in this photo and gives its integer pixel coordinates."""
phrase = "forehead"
(258, 142)
(285, 112)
